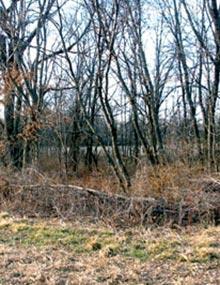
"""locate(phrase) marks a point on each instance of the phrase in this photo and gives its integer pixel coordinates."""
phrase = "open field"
(36, 251)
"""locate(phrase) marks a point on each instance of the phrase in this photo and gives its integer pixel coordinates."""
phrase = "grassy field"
(54, 252)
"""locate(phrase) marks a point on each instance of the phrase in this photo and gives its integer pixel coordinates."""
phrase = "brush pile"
(46, 199)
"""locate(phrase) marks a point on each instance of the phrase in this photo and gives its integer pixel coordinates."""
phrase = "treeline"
(138, 79)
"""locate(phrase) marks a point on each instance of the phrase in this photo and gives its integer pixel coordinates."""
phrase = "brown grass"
(185, 190)
(53, 252)
(166, 181)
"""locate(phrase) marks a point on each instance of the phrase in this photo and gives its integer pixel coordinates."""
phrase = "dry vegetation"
(35, 251)
(168, 180)
(107, 156)
(170, 195)
(52, 233)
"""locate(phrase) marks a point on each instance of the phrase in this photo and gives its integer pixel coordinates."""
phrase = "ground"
(36, 251)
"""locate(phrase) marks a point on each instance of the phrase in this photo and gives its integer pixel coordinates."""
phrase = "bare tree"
(14, 24)
(210, 45)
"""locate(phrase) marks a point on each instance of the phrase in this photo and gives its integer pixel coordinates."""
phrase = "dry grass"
(102, 180)
(53, 252)
(183, 195)
(167, 181)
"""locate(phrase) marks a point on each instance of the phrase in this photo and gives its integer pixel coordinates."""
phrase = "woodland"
(119, 97)
(115, 84)
(109, 142)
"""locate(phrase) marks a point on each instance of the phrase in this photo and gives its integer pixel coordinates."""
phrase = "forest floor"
(37, 251)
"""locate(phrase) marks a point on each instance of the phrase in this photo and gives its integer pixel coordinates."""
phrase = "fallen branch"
(69, 201)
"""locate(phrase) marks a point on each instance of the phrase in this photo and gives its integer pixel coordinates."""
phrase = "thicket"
(116, 95)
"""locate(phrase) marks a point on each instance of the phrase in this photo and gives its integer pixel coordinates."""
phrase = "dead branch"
(69, 201)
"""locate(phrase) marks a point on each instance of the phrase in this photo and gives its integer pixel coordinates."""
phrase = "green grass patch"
(40, 235)
(144, 246)
(138, 253)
